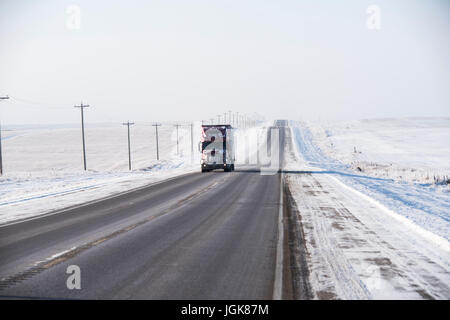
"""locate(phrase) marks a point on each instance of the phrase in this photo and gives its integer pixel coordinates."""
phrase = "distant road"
(199, 236)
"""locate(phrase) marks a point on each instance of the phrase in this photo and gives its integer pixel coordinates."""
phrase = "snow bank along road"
(211, 235)
(357, 248)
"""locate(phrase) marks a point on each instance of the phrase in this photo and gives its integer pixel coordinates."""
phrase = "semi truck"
(217, 148)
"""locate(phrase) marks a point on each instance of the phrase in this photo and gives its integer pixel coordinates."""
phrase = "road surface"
(198, 236)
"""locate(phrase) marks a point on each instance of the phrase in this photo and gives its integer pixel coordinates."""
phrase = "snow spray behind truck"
(217, 147)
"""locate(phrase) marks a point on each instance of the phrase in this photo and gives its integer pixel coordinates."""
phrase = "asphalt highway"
(199, 236)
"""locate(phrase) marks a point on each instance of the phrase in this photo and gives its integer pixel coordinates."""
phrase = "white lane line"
(56, 255)
(278, 284)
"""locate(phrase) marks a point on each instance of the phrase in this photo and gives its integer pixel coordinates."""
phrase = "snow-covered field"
(405, 149)
(427, 205)
(369, 237)
(43, 166)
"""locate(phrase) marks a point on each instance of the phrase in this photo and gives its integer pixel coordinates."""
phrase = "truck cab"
(217, 147)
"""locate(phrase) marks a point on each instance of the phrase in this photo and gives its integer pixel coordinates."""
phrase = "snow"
(368, 237)
(406, 149)
(427, 205)
(44, 150)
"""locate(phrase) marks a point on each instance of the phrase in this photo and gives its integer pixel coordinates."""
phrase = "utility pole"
(1, 161)
(156, 125)
(82, 106)
(128, 124)
(192, 139)
(177, 126)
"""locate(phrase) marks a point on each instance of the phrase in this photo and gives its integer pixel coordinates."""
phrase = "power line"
(128, 124)
(82, 106)
(41, 105)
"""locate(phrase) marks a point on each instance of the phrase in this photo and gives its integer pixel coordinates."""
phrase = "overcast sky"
(190, 60)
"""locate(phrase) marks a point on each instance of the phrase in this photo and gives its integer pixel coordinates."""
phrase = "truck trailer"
(217, 147)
